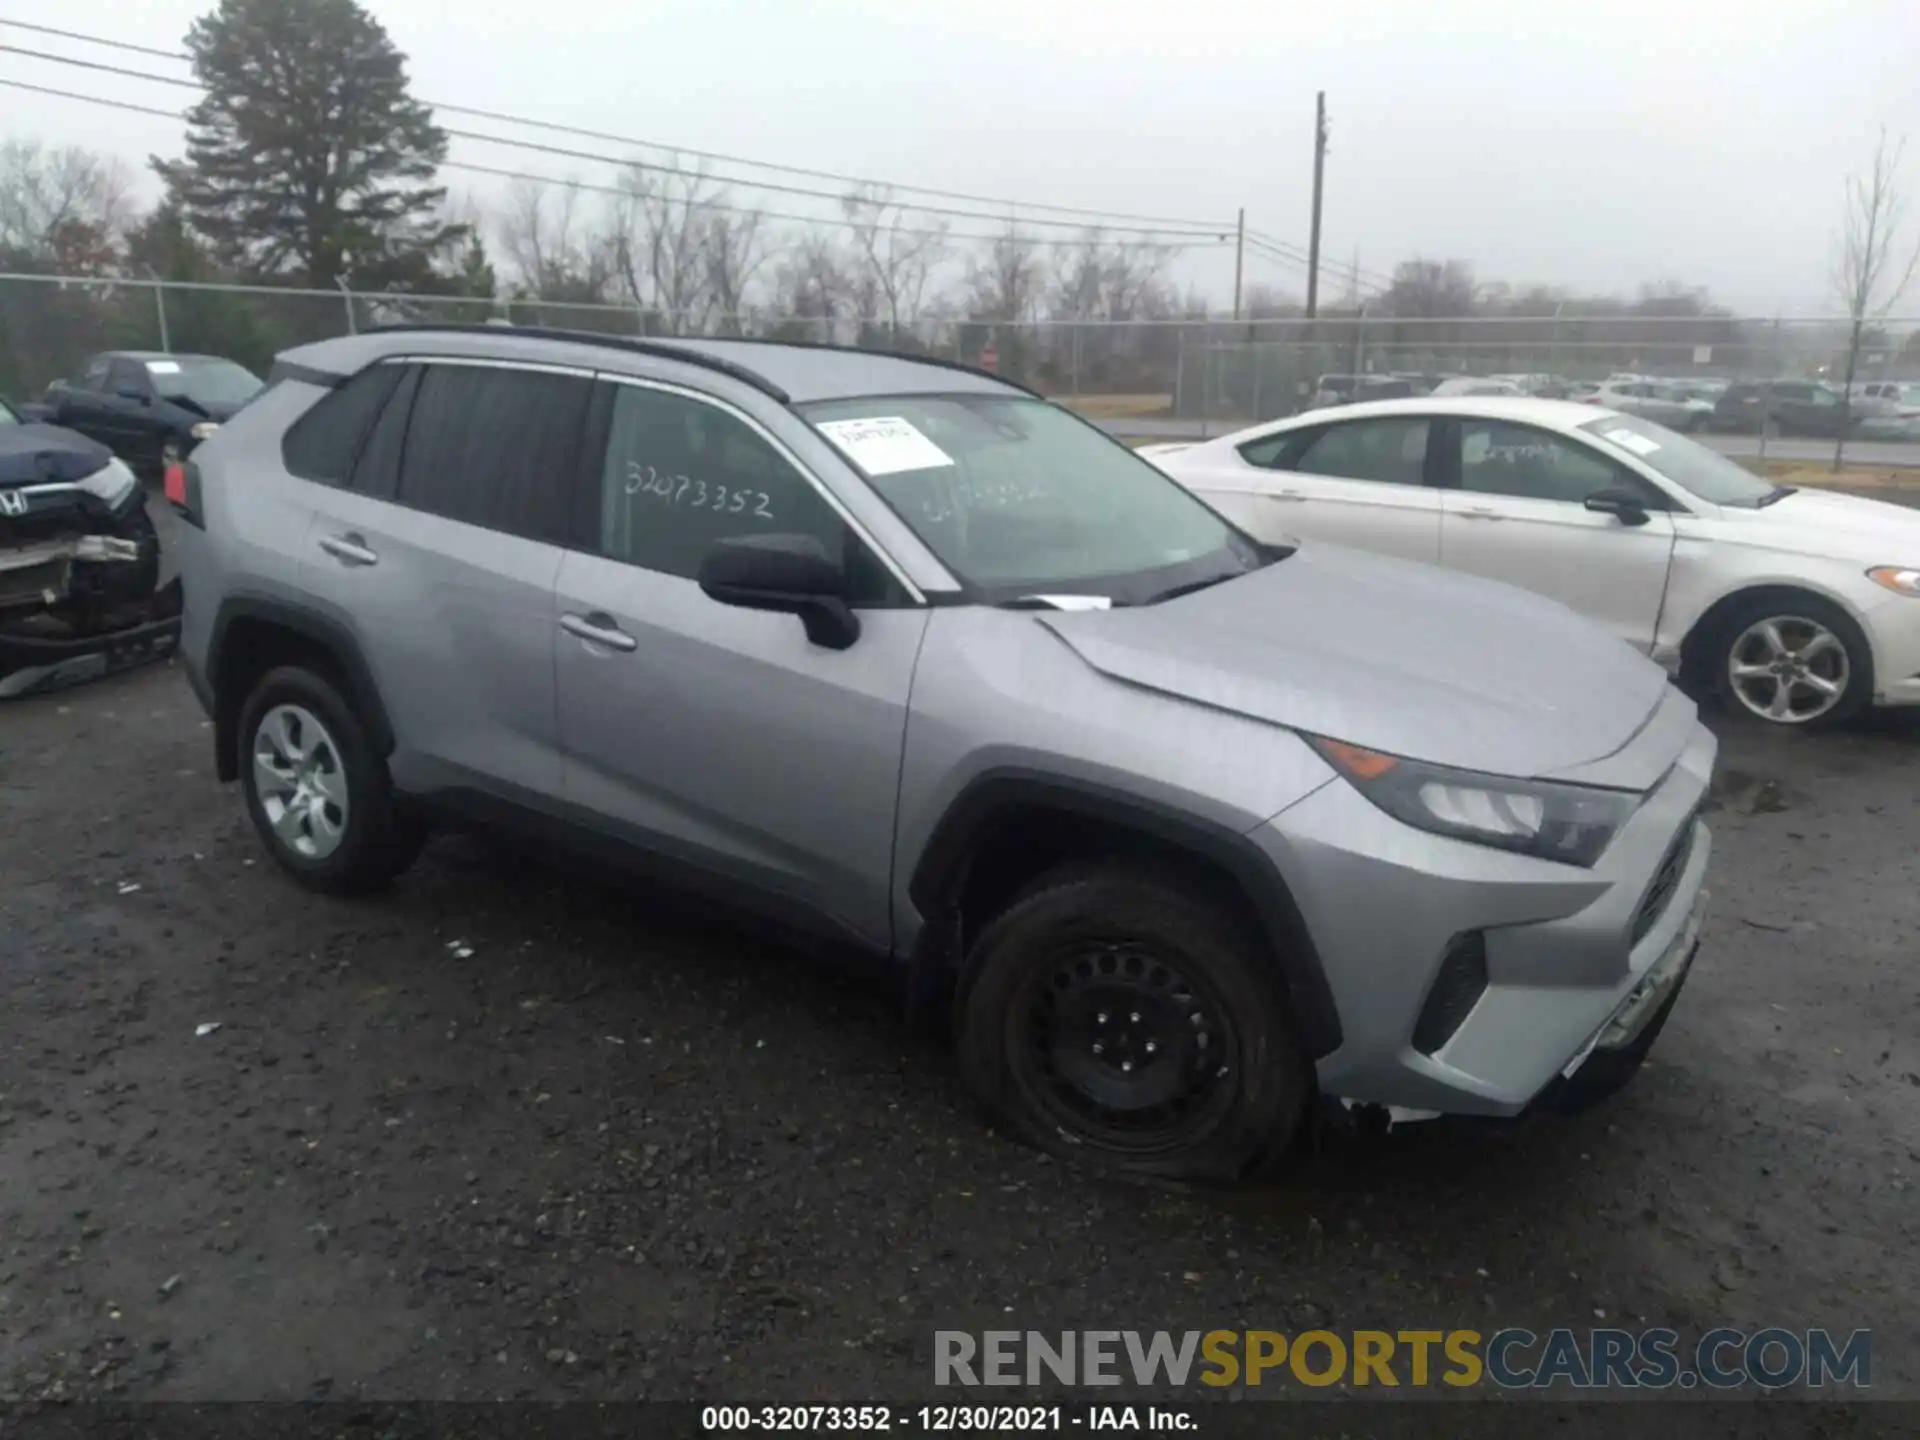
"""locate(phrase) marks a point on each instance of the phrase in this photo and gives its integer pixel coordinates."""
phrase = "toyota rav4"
(1183, 831)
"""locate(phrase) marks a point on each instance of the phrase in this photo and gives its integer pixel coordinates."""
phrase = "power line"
(1294, 252)
(1205, 244)
(1110, 216)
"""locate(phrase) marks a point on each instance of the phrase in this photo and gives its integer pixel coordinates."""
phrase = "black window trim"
(780, 448)
(1450, 479)
(1298, 442)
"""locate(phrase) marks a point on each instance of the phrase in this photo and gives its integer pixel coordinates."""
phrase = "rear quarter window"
(323, 443)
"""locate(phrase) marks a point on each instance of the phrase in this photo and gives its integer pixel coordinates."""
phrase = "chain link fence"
(1202, 375)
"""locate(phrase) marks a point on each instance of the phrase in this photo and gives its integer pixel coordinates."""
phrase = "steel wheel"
(1123, 1051)
(301, 782)
(1788, 669)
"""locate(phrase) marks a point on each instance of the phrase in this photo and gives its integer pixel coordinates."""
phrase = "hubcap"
(1123, 1050)
(1788, 669)
(300, 780)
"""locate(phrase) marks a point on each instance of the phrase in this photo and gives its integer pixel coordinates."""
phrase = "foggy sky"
(1590, 145)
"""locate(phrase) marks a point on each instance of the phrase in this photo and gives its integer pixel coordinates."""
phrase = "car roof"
(1521, 409)
(144, 356)
(794, 373)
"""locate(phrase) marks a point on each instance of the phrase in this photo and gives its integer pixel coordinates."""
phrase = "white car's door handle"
(348, 549)
(1284, 495)
(600, 630)
(1480, 512)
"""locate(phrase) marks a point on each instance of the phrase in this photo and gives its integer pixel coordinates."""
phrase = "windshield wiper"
(1174, 592)
(1778, 493)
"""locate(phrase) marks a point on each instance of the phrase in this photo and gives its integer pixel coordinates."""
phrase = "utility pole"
(1319, 175)
(1239, 259)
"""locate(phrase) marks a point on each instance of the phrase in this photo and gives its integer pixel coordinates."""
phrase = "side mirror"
(792, 574)
(1619, 502)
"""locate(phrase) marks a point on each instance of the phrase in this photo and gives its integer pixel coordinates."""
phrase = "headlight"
(1901, 579)
(204, 429)
(112, 482)
(1570, 823)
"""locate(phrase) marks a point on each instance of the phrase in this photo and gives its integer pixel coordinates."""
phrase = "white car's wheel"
(1794, 660)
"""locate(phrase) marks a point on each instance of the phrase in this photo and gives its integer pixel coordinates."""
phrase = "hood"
(1390, 655)
(43, 454)
(1820, 522)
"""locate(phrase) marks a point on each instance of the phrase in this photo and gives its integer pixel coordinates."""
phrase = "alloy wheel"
(1788, 669)
(300, 781)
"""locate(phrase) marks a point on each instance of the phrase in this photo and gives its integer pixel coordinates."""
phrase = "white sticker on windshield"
(162, 367)
(885, 445)
(1639, 444)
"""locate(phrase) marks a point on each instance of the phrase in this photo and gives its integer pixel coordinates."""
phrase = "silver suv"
(1184, 832)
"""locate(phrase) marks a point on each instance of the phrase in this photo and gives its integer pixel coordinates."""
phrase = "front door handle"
(599, 629)
(349, 549)
(1480, 512)
(1284, 495)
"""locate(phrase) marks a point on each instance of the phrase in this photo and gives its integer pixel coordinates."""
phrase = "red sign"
(989, 358)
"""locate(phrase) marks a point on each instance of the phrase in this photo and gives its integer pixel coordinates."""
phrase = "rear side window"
(495, 447)
(1391, 450)
(323, 443)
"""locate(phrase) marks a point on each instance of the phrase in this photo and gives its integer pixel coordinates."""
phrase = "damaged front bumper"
(81, 600)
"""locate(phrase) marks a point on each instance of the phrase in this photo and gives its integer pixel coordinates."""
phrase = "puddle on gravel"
(1747, 793)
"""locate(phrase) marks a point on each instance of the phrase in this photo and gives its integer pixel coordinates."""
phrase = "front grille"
(1666, 880)
(31, 584)
(1456, 990)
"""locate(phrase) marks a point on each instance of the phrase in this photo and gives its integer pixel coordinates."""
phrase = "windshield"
(204, 382)
(1689, 464)
(8, 416)
(1019, 498)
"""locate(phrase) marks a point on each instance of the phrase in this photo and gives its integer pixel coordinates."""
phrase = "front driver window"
(1392, 451)
(1498, 458)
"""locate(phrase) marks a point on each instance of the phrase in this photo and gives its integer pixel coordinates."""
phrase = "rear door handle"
(1293, 496)
(599, 629)
(1480, 512)
(349, 549)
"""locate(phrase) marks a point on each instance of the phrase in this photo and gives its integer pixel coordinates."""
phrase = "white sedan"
(1797, 606)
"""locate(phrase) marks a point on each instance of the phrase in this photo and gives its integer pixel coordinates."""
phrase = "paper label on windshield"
(1639, 444)
(885, 445)
(162, 367)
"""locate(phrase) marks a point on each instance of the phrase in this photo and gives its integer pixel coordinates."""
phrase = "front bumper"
(1893, 627)
(1578, 963)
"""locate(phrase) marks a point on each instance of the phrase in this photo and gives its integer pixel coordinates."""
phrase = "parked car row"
(1188, 826)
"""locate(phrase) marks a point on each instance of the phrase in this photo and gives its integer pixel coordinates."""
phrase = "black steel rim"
(1124, 1049)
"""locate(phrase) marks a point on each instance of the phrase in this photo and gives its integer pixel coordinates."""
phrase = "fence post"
(1259, 365)
(1360, 341)
(1074, 359)
(160, 307)
(1179, 368)
(353, 327)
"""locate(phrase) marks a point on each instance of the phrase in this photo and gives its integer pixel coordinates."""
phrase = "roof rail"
(910, 356)
(611, 342)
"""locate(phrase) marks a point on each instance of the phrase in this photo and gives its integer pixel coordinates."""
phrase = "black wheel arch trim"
(940, 873)
(332, 635)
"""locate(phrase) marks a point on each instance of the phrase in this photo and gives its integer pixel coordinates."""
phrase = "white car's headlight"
(112, 482)
(204, 429)
(1569, 823)
(1901, 579)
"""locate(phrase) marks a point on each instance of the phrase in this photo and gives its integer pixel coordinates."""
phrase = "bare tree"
(733, 251)
(1008, 282)
(61, 201)
(546, 235)
(813, 290)
(661, 225)
(1875, 263)
(896, 259)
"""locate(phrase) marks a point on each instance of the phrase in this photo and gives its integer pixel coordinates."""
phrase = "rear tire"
(1807, 644)
(1127, 1023)
(316, 790)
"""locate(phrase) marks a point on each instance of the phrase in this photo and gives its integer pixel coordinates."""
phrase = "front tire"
(1131, 1024)
(1792, 660)
(317, 791)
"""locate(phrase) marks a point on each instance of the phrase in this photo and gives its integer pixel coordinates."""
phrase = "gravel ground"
(511, 1131)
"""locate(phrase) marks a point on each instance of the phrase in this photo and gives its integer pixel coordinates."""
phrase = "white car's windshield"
(1692, 466)
(1017, 497)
